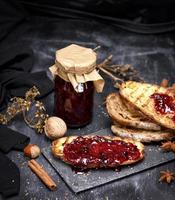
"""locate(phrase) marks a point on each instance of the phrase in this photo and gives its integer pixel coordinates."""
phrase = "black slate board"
(80, 182)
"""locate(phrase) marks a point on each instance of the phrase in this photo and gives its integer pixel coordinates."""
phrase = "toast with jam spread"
(126, 114)
(157, 103)
(92, 151)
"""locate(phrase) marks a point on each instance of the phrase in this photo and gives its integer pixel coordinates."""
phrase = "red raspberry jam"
(99, 152)
(74, 108)
(164, 104)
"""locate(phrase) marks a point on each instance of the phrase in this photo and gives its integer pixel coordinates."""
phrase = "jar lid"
(77, 65)
(76, 59)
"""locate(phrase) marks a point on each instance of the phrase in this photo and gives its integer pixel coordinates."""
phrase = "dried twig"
(105, 62)
(96, 48)
(119, 73)
(111, 75)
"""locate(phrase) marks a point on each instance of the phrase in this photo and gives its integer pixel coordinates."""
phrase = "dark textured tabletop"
(152, 55)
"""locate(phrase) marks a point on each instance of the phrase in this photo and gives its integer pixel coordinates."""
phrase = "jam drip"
(164, 104)
(99, 152)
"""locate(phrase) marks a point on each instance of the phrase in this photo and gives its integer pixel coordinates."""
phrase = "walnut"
(55, 128)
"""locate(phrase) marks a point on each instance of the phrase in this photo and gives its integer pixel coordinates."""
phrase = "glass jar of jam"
(73, 107)
(75, 80)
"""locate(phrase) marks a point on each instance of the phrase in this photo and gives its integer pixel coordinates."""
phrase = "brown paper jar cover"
(77, 64)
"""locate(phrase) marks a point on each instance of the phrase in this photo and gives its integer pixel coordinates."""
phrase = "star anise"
(168, 146)
(167, 176)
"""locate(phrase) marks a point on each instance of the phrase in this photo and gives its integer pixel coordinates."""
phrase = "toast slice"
(142, 135)
(105, 158)
(127, 115)
(139, 94)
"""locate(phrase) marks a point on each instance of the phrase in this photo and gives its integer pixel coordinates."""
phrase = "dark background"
(46, 26)
(147, 12)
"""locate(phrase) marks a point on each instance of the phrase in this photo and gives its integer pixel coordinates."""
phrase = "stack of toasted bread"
(134, 115)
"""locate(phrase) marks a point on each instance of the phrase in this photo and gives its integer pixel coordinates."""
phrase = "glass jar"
(74, 108)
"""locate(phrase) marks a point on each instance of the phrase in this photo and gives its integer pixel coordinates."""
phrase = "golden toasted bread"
(127, 115)
(139, 94)
(59, 145)
(142, 135)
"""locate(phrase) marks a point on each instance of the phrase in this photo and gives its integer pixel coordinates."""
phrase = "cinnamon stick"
(42, 174)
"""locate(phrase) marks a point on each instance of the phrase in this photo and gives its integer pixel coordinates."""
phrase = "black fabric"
(9, 177)
(145, 11)
(10, 139)
(138, 16)
(15, 77)
(9, 172)
(16, 60)
(11, 14)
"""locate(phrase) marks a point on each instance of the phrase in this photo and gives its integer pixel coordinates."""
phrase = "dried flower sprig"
(23, 105)
(119, 73)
